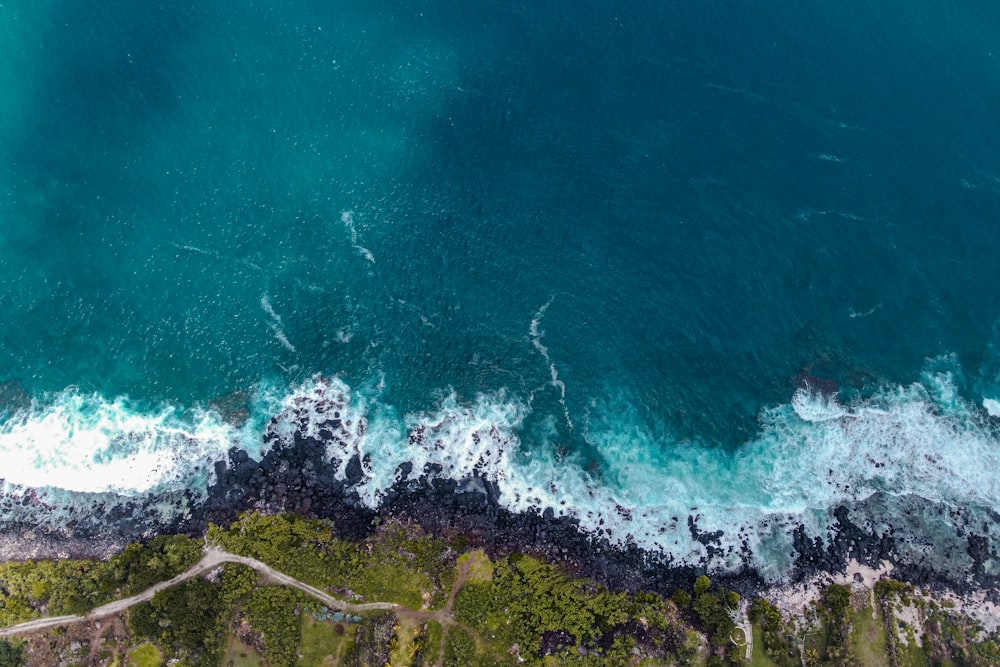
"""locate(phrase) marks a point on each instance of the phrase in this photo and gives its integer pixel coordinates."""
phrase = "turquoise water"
(626, 235)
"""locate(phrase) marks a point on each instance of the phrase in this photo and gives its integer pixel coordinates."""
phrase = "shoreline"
(298, 477)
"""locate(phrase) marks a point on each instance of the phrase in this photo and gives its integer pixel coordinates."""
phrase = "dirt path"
(213, 558)
(743, 623)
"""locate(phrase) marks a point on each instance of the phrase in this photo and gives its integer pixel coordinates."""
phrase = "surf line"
(536, 333)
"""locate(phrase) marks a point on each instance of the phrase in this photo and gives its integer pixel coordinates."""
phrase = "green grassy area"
(398, 564)
(913, 656)
(551, 616)
(869, 644)
(239, 654)
(324, 643)
(432, 643)
(145, 655)
(406, 643)
(815, 643)
(391, 582)
(760, 658)
(480, 566)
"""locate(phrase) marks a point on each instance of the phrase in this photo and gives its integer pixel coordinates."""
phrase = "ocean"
(635, 262)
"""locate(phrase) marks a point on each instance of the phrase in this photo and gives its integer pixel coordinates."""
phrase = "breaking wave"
(810, 454)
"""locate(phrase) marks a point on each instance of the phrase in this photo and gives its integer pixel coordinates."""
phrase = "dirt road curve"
(212, 559)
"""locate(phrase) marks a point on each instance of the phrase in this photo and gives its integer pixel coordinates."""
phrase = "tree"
(10, 655)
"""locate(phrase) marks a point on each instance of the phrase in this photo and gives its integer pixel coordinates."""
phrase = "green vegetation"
(533, 610)
(955, 640)
(835, 605)
(714, 607)
(760, 656)
(239, 654)
(145, 655)
(459, 649)
(868, 638)
(272, 611)
(140, 566)
(406, 644)
(770, 638)
(183, 620)
(400, 565)
(527, 599)
(479, 564)
(322, 640)
(510, 610)
(431, 643)
(11, 655)
(372, 641)
(28, 589)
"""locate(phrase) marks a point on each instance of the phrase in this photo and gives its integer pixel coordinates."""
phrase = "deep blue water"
(697, 204)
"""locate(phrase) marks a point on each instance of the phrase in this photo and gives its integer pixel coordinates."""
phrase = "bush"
(776, 645)
(887, 587)
(681, 598)
(372, 644)
(140, 566)
(185, 620)
(271, 611)
(459, 649)
(10, 655)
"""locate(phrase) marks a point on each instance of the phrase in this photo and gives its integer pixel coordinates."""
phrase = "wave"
(810, 454)
(79, 442)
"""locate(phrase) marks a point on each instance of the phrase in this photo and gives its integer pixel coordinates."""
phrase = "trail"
(213, 558)
(739, 617)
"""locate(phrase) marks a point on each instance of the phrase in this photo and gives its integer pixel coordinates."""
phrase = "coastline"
(298, 477)
(910, 624)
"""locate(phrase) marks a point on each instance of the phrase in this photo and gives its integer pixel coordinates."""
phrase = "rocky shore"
(298, 475)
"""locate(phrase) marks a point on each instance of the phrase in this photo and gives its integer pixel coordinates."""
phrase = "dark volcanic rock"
(296, 475)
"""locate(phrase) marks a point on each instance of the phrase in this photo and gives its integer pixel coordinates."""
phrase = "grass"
(321, 645)
(388, 582)
(912, 656)
(760, 657)
(145, 655)
(404, 652)
(815, 641)
(432, 643)
(480, 566)
(868, 641)
(239, 654)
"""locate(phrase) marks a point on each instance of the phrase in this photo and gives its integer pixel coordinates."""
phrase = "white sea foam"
(992, 407)
(536, 333)
(84, 443)
(921, 440)
(814, 406)
(277, 326)
(854, 314)
(347, 219)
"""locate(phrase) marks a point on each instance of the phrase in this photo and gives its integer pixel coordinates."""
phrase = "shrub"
(459, 649)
